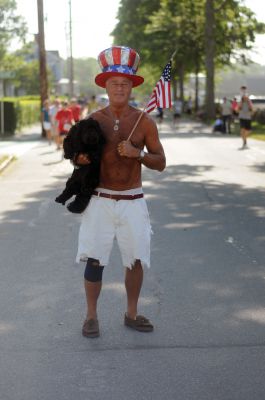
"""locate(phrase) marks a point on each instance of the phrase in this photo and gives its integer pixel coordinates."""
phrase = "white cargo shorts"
(126, 220)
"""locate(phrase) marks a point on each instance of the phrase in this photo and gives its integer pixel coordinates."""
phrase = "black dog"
(85, 137)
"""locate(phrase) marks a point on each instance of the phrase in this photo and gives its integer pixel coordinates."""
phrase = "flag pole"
(142, 113)
(136, 123)
(173, 55)
(138, 120)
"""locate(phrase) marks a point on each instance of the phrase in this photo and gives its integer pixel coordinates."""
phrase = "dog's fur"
(85, 137)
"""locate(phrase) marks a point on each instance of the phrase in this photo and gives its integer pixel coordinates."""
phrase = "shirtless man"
(118, 207)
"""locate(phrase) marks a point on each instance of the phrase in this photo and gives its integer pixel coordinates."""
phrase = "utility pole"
(71, 63)
(42, 56)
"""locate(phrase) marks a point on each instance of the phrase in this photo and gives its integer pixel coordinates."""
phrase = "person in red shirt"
(234, 105)
(76, 109)
(65, 120)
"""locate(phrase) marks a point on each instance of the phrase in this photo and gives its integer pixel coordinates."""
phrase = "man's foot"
(140, 323)
(244, 147)
(90, 328)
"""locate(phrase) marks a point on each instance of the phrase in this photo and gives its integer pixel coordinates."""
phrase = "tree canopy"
(11, 25)
(199, 30)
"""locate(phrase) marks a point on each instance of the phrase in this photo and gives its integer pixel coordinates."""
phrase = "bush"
(27, 112)
(259, 116)
(20, 112)
(9, 117)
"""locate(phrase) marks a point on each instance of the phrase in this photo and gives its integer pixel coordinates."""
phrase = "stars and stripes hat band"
(118, 61)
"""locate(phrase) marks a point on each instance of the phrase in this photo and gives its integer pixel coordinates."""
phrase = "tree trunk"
(181, 83)
(42, 57)
(209, 58)
(196, 90)
(197, 83)
(175, 88)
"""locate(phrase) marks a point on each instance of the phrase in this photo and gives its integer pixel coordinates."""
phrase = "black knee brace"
(93, 271)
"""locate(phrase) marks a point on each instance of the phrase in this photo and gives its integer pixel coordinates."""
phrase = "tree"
(11, 25)
(230, 30)
(133, 17)
(207, 34)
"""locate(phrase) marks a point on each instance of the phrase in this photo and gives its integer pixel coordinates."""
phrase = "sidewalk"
(12, 147)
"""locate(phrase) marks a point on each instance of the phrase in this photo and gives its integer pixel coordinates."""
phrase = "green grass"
(3, 157)
(258, 131)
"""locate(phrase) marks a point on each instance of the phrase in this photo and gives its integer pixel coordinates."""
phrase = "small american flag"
(161, 96)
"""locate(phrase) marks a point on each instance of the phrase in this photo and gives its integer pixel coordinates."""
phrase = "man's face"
(119, 90)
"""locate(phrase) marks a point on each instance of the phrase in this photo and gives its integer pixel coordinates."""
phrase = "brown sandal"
(140, 323)
(90, 328)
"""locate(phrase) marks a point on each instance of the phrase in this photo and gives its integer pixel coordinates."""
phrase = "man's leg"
(224, 123)
(93, 284)
(229, 123)
(133, 284)
(92, 294)
(244, 135)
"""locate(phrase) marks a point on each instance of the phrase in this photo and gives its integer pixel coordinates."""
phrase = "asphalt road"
(205, 292)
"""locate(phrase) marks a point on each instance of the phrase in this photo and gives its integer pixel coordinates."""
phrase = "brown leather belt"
(119, 196)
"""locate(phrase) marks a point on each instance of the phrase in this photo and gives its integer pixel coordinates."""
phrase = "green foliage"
(133, 16)
(26, 110)
(27, 77)
(258, 129)
(25, 69)
(158, 28)
(259, 117)
(85, 70)
(151, 74)
(11, 25)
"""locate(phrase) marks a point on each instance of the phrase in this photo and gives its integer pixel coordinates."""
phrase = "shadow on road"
(207, 275)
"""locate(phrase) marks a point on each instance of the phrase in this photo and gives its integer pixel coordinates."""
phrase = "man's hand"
(82, 159)
(126, 149)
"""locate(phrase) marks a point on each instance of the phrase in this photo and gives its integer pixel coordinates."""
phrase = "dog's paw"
(76, 208)
(59, 200)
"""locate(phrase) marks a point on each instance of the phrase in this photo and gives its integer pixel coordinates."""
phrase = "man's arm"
(154, 158)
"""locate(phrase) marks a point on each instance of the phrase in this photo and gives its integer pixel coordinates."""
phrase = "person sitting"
(178, 106)
(218, 125)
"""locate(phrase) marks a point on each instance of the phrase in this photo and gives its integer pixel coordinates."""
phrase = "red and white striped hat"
(118, 61)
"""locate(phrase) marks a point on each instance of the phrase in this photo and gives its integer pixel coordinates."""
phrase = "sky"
(92, 22)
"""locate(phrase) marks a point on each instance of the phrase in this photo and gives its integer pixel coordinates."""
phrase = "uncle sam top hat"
(118, 61)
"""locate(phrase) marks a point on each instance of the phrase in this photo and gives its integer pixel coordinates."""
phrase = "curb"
(6, 163)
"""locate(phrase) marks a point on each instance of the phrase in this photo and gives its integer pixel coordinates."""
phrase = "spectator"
(218, 125)
(76, 109)
(65, 120)
(189, 106)
(178, 106)
(56, 106)
(92, 105)
(234, 106)
(160, 114)
(245, 108)
(46, 120)
(226, 115)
